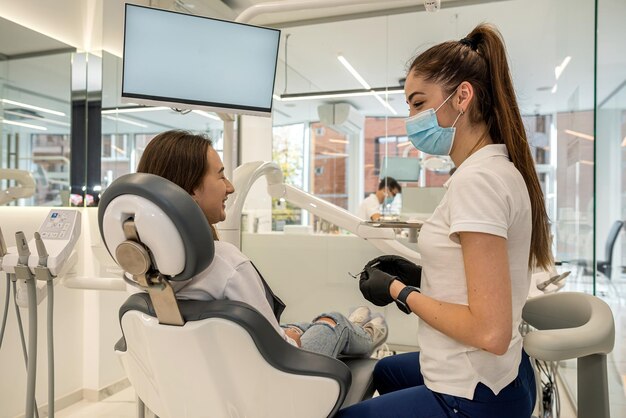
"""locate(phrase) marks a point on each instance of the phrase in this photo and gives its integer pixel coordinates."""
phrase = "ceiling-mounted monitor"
(400, 168)
(193, 62)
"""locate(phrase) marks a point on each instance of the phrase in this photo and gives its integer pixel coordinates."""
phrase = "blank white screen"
(190, 59)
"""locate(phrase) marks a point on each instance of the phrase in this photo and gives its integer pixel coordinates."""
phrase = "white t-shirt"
(368, 207)
(230, 276)
(486, 194)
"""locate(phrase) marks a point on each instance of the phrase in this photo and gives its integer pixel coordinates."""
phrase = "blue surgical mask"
(388, 200)
(427, 136)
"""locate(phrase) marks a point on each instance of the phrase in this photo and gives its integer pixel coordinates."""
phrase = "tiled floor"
(122, 404)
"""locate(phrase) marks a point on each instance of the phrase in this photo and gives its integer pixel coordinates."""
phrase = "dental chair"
(219, 358)
(574, 325)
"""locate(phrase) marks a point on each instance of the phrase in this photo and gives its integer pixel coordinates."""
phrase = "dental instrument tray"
(394, 224)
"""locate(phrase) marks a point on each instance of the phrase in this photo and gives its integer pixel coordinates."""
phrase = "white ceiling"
(19, 40)
(380, 38)
(380, 48)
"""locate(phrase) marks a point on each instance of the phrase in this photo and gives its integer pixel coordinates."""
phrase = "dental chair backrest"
(144, 223)
(200, 358)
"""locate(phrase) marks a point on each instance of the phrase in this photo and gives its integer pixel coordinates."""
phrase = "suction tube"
(32, 347)
(6, 311)
(50, 349)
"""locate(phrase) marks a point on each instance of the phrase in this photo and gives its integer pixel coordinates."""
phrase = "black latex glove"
(374, 285)
(406, 271)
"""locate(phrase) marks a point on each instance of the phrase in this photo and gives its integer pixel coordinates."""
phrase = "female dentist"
(477, 248)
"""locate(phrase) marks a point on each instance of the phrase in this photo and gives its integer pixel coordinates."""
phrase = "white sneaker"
(360, 315)
(377, 328)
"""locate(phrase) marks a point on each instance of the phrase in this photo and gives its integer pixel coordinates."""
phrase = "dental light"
(247, 174)
(25, 185)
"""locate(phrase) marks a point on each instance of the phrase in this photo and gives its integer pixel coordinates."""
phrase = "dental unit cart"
(32, 277)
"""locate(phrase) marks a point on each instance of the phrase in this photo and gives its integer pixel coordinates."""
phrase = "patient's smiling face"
(214, 189)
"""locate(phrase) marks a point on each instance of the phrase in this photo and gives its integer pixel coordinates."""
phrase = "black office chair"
(606, 266)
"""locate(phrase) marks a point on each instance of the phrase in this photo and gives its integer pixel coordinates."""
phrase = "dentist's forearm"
(458, 321)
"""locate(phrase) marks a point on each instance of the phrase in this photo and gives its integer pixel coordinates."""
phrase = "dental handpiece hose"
(43, 267)
(24, 274)
(20, 327)
(6, 310)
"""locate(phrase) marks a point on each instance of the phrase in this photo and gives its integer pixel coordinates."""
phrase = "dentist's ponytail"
(480, 59)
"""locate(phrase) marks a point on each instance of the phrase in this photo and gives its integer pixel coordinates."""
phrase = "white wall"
(74, 22)
(256, 145)
(309, 272)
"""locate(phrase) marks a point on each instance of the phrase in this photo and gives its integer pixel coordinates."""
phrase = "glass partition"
(555, 94)
(288, 151)
(610, 187)
(610, 181)
(35, 117)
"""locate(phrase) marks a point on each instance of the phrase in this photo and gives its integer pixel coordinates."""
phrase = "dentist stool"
(574, 325)
(219, 358)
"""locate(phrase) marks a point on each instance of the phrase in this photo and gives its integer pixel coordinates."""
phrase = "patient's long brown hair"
(180, 157)
(480, 59)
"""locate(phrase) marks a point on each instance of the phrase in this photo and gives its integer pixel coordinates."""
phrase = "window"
(288, 152)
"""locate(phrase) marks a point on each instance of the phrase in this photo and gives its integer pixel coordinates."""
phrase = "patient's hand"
(294, 334)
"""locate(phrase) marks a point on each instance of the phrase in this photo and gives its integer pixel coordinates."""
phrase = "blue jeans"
(345, 338)
(403, 395)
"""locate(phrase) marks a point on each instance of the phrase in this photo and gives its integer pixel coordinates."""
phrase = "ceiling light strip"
(134, 109)
(127, 121)
(28, 106)
(558, 70)
(206, 114)
(337, 94)
(25, 125)
(27, 116)
(385, 104)
(316, 96)
(334, 154)
(579, 134)
(354, 72)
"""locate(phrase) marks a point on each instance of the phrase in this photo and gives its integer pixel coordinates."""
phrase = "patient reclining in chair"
(192, 163)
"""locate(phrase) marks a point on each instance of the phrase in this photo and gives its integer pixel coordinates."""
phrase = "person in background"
(370, 208)
(191, 162)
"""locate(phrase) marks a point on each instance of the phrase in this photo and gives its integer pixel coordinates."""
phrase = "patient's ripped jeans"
(345, 338)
